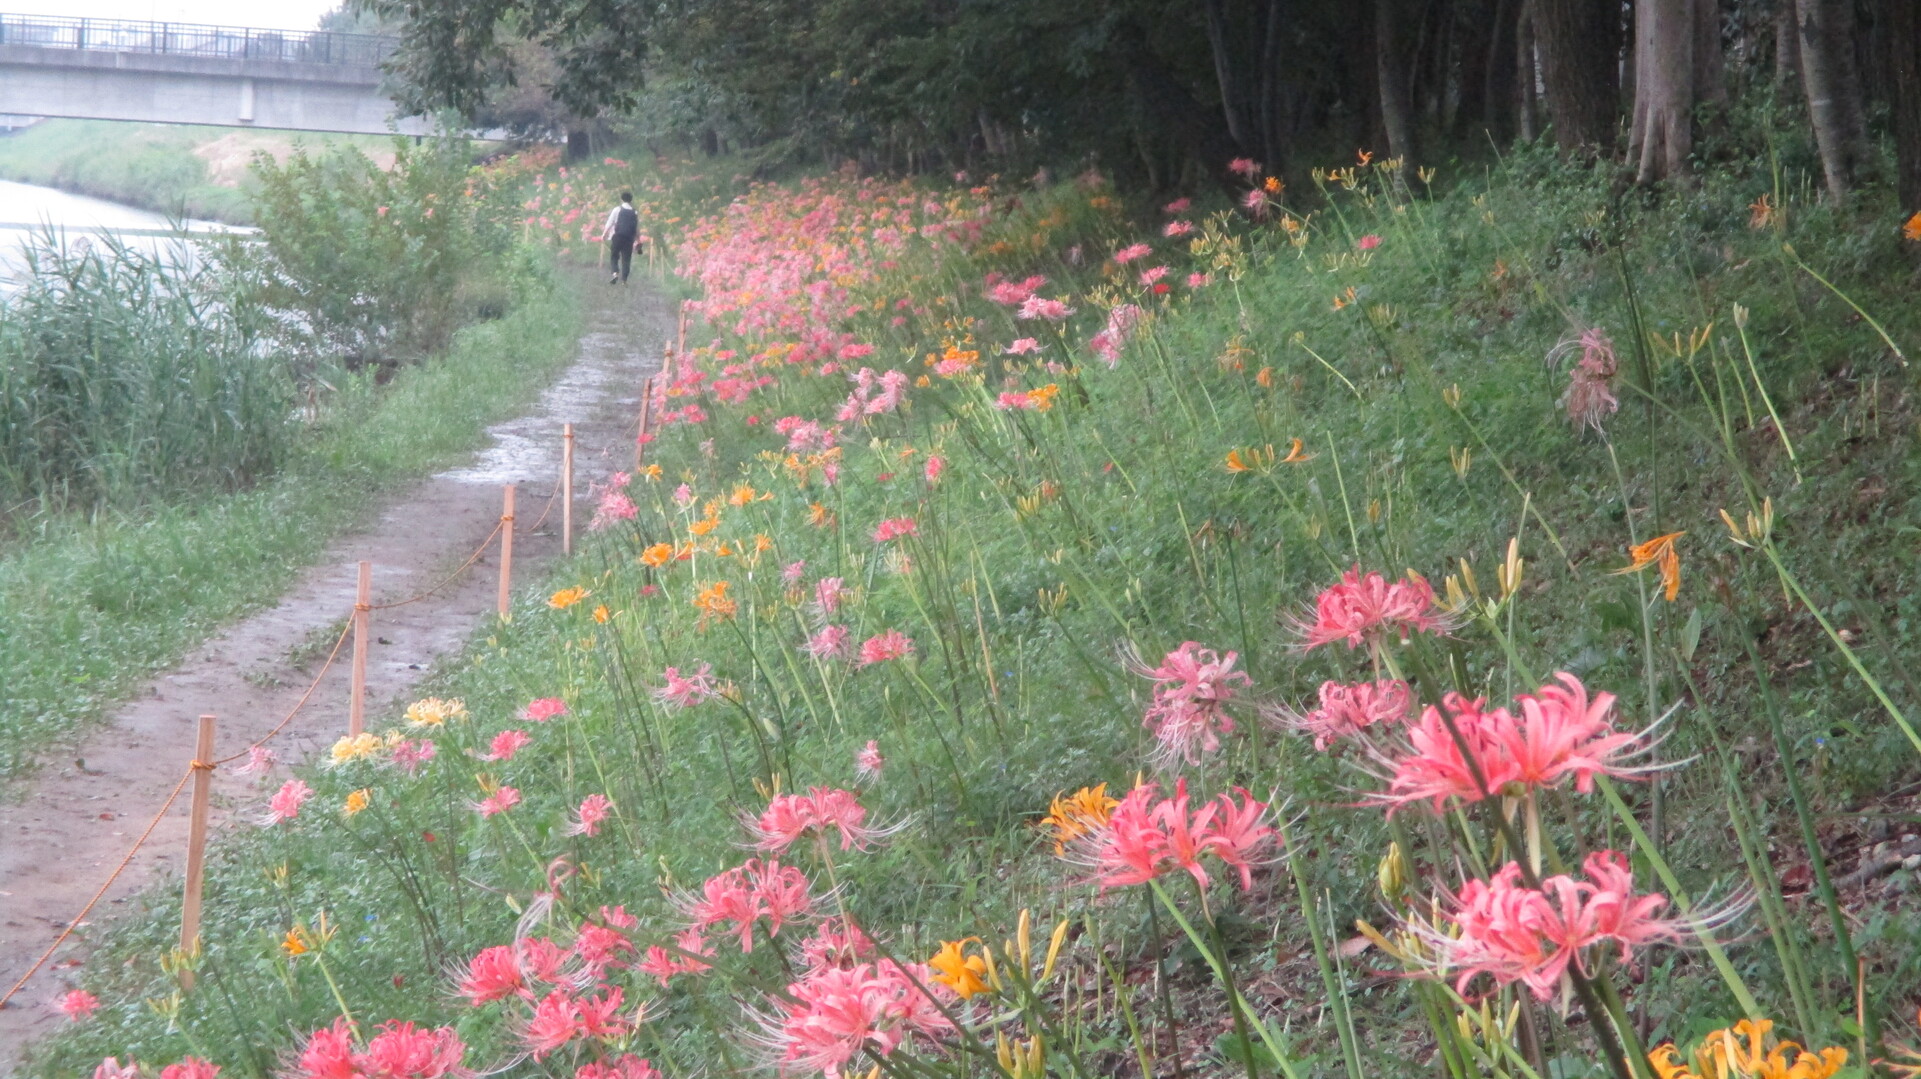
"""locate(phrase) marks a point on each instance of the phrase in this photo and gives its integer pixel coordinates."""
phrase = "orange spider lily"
(1660, 553)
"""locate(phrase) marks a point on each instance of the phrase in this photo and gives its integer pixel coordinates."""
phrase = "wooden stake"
(363, 600)
(646, 412)
(680, 338)
(566, 488)
(197, 843)
(506, 546)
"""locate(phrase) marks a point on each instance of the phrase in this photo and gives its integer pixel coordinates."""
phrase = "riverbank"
(171, 169)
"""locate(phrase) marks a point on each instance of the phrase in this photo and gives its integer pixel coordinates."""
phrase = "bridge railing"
(193, 39)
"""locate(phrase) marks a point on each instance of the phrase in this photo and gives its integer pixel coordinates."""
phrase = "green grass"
(152, 166)
(94, 607)
(1429, 420)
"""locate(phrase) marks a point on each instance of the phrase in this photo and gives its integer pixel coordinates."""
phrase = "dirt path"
(72, 827)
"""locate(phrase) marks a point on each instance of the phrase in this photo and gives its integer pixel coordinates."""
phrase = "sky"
(273, 15)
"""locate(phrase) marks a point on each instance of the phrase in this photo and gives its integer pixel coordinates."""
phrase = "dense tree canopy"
(1161, 91)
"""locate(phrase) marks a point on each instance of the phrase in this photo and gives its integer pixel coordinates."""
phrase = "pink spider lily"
(111, 1068)
(500, 801)
(493, 974)
(894, 528)
(790, 818)
(746, 894)
(837, 943)
(1368, 609)
(1147, 837)
(1192, 688)
(400, 1050)
(664, 964)
(891, 644)
(543, 709)
(1348, 711)
(260, 761)
(190, 1068)
(1513, 933)
(833, 1014)
(1022, 347)
(1043, 308)
(1368, 242)
(625, 1066)
(868, 762)
(613, 506)
(410, 755)
(594, 809)
(286, 802)
(1132, 252)
(1589, 399)
(78, 1005)
(506, 744)
(689, 690)
(1244, 166)
(830, 642)
(1560, 734)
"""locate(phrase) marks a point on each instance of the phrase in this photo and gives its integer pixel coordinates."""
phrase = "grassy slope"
(95, 607)
(152, 166)
(1060, 534)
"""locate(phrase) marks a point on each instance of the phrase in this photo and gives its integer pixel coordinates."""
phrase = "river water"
(27, 211)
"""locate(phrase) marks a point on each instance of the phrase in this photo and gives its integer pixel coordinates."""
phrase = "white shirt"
(613, 216)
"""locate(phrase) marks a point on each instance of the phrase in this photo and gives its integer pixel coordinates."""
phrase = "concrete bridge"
(183, 73)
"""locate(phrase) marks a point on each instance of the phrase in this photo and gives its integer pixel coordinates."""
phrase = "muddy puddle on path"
(62, 836)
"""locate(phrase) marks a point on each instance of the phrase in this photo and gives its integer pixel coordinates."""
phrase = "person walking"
(623, 229)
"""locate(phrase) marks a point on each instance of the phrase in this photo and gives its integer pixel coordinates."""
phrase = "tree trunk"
(1498, 94)
(1231, 103)
(1834, 95)
(1274, 114)
(1390, 64)
(1526, 71)
(1903, 18)
(1477, 47)
(1579, 44)
(1664, 91)
(1710, 60)
(1787, 48)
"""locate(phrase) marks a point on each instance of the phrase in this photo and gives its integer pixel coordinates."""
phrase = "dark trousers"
(620, 256)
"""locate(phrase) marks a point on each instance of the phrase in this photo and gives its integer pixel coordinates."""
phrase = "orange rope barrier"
(464, 567)
(206, 766)
(67, 931)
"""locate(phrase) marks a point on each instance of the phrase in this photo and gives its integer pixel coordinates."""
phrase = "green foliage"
(362, 263)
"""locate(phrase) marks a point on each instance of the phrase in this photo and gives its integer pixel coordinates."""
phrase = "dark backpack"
(626, 225)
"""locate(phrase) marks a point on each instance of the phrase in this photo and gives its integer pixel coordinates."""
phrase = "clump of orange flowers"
(1747, 1050)
(713, 604)
(1078, 814)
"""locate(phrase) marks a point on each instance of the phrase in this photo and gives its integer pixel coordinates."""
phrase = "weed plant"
(127, 376)
(935, 541)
